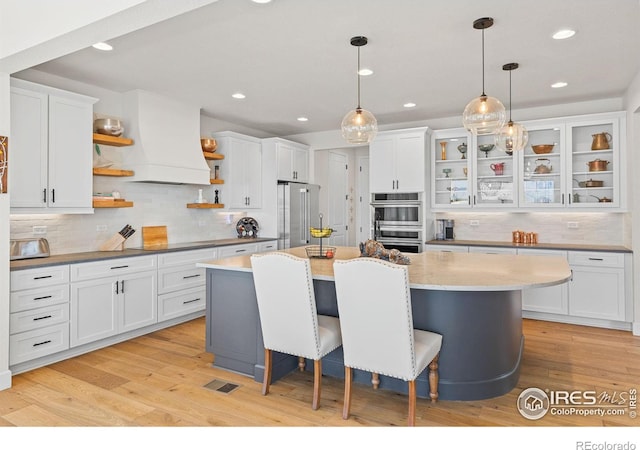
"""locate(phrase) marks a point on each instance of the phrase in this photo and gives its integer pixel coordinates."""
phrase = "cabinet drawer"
(36, 298)
(174, 278)
(268, 246)
(38, 343)
(596, 259)
(112, 267)
(493, 250)
(237, 250)
(187, 257)
(447, 248)
(38, 318)
(181, 303)
(43, 276)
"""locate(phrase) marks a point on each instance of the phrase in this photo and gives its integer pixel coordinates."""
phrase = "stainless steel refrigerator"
(298, 209)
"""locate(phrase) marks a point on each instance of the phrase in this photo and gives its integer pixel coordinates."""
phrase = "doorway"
(338, 198)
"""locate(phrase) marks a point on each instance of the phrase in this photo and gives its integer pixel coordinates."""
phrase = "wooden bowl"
(208, 145)
(542, 148)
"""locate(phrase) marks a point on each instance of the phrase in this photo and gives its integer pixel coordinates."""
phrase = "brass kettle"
(601, 141)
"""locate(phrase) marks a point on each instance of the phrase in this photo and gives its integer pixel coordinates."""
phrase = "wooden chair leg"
(433, 379)
(317, 383)
(301, 363)
(375, 380)
(347, 393)
(412, 403)
(266, 380)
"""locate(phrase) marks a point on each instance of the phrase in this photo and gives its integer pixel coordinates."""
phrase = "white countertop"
(444, 271)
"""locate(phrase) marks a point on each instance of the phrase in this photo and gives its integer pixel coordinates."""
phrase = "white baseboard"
(635, 328)
(5, 380)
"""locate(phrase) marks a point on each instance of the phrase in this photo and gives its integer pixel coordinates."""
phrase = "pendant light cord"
(358, 75)
(483, 62)
(510, 96)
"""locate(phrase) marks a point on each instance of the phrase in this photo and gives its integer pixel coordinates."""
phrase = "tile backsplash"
(154, 204)
(555, 227)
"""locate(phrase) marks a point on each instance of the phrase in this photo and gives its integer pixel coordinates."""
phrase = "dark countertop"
(541, 246)
(72, 258)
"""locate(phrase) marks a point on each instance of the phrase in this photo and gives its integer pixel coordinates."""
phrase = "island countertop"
(444, 271)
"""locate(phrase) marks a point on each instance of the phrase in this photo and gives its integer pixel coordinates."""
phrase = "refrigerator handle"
(304, 212)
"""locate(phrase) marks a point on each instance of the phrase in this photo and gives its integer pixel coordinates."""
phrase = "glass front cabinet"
(572, 162)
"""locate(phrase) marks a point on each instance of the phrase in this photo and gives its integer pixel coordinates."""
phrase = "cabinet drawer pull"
(42, 343)
(43, 298)
(596, 259)
(43, 317)
(43, 277)
(191, 301)
(53, 195)
(191, 276)
(44, 196)
(119, 267)
(242, 250)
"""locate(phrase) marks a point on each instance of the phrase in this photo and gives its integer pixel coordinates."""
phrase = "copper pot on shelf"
(597, 165)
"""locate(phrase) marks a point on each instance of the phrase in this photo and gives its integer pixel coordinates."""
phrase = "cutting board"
(154, 237)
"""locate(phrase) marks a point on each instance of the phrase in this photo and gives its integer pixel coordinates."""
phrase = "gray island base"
(482, 343)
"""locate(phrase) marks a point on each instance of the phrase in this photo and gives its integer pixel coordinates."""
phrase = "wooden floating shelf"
(112, 204)
(212, 155)
(214, 181)
(205, 205)
(114, 141)
(106, 172)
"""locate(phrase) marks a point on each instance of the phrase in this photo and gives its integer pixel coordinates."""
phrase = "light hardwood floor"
(158, 380)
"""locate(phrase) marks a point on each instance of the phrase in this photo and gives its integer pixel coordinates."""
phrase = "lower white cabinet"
(446, 248)
(493, 250)
(114, 303)
(181, 302)
(39, 313)
(552, 299)
(597, 288)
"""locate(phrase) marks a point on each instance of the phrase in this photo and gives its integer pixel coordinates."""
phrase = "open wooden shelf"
(205, 205)
(114, 141)
(212, 155)
(214, 181)
(107, 172)
(112, 204)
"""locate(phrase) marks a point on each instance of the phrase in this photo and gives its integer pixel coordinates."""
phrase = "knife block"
(113, 244)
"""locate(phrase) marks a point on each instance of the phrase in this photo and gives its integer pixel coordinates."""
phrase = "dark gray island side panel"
(481, 349)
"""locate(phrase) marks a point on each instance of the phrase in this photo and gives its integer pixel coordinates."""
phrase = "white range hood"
(166, 135)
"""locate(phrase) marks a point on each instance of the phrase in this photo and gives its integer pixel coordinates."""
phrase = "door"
(93, 310)
(338, 198)
(409, 161)
(382, 164)
(138, 297)
(363, 232)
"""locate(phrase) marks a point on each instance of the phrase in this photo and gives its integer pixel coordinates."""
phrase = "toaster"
(28, 248)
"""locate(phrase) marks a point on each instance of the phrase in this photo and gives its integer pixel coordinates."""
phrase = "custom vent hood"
(166, 136)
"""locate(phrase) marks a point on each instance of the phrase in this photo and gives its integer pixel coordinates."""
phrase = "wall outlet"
(101, 228)
(42, 229)
(474, 223)
(572, 224)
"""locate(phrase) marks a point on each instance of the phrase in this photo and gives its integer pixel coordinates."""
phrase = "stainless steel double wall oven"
(397, 221)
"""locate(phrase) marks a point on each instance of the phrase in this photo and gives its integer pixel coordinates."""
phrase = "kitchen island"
(472, 300)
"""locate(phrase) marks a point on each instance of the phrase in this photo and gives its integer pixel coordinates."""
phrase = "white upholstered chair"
(288, 317)
(374, 306)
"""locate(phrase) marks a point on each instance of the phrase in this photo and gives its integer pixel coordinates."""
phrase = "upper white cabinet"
(51, 142)
(292, 159)
(397, 161)
(242, 171)
(578, 167)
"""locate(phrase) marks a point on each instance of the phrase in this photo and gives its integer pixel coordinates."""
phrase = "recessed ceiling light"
(409, 105)
(303, 119)
(238, 95)
(564, 33)
(365, 72)
(103, 46)
(261, 1)
(454, 139)
(559, 84)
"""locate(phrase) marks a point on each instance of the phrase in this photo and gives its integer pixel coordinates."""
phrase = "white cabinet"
(112, 297)
(247, 249)
(397, 161)
(571, 175)
(597, 288)
(242, 170)
(181, 285)
(493, 250)
(551, 299)
(446, 248)
(268, 246)
(292, 159)
(39, 313)
(51, 158)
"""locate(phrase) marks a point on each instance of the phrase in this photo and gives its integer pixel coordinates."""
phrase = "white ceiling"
(293, 58)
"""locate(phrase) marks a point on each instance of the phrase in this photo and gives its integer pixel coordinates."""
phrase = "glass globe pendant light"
(359, 126)
(484, 114)
(513, 136)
